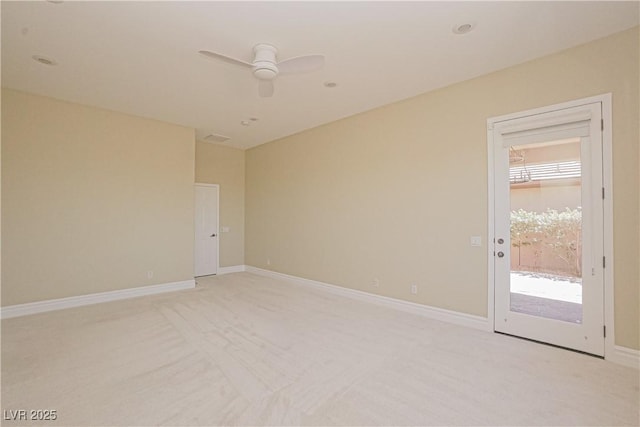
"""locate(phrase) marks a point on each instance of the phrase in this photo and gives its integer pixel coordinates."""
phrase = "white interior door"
(548, 247)
(206, 229)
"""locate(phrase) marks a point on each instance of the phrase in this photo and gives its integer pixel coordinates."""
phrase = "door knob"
(500, 254)
(213, 235)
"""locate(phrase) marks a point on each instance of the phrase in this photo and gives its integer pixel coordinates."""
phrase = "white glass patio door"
(548, 249)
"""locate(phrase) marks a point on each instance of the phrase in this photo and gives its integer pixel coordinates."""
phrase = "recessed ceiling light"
(330, 84)
(245, 123)
(253, 119)
(44, 60)
(463, 28)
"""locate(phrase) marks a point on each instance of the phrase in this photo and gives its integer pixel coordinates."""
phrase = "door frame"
(607, 183)
(199, 184)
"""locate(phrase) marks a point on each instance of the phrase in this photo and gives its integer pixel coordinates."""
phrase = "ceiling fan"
(266, 68)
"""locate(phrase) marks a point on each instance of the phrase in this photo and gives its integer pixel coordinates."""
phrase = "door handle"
(500, 254)
(213, 235)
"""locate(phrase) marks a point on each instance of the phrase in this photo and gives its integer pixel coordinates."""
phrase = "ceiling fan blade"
(265, 88)
(301, 64)
(234, 61)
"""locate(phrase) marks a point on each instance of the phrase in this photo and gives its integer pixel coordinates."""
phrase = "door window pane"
(546, 230)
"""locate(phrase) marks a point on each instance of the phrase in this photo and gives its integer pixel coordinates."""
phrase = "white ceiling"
(141, 57)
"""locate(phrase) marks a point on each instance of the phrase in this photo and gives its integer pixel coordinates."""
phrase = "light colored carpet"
(247, 350)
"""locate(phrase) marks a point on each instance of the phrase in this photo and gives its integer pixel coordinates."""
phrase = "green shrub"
(559, 231)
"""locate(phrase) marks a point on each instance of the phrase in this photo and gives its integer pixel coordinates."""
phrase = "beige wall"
(216, 164)
(91, 200)
(396, 192)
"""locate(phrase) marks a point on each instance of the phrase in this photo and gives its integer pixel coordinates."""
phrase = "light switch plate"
(225, 229)
(476, 241)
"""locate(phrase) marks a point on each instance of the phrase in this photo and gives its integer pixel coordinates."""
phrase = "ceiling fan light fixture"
(265, 66)
(265, 52)
(265, 71)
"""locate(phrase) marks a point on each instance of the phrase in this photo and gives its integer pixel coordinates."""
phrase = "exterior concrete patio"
(546, 295)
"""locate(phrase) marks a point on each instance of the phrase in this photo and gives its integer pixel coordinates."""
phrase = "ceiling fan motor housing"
(264, 64)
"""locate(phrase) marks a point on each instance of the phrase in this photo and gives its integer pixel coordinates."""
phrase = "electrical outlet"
(268, 261)
(375, 282)
(150, 274)
(414, 289)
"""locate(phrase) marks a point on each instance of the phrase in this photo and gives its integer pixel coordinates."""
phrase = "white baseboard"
(77, 301)
(463, 319)
(231, 269)
(620, 355)
(625, 356)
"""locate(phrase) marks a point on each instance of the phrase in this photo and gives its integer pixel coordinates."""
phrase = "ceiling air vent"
(213, 137)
